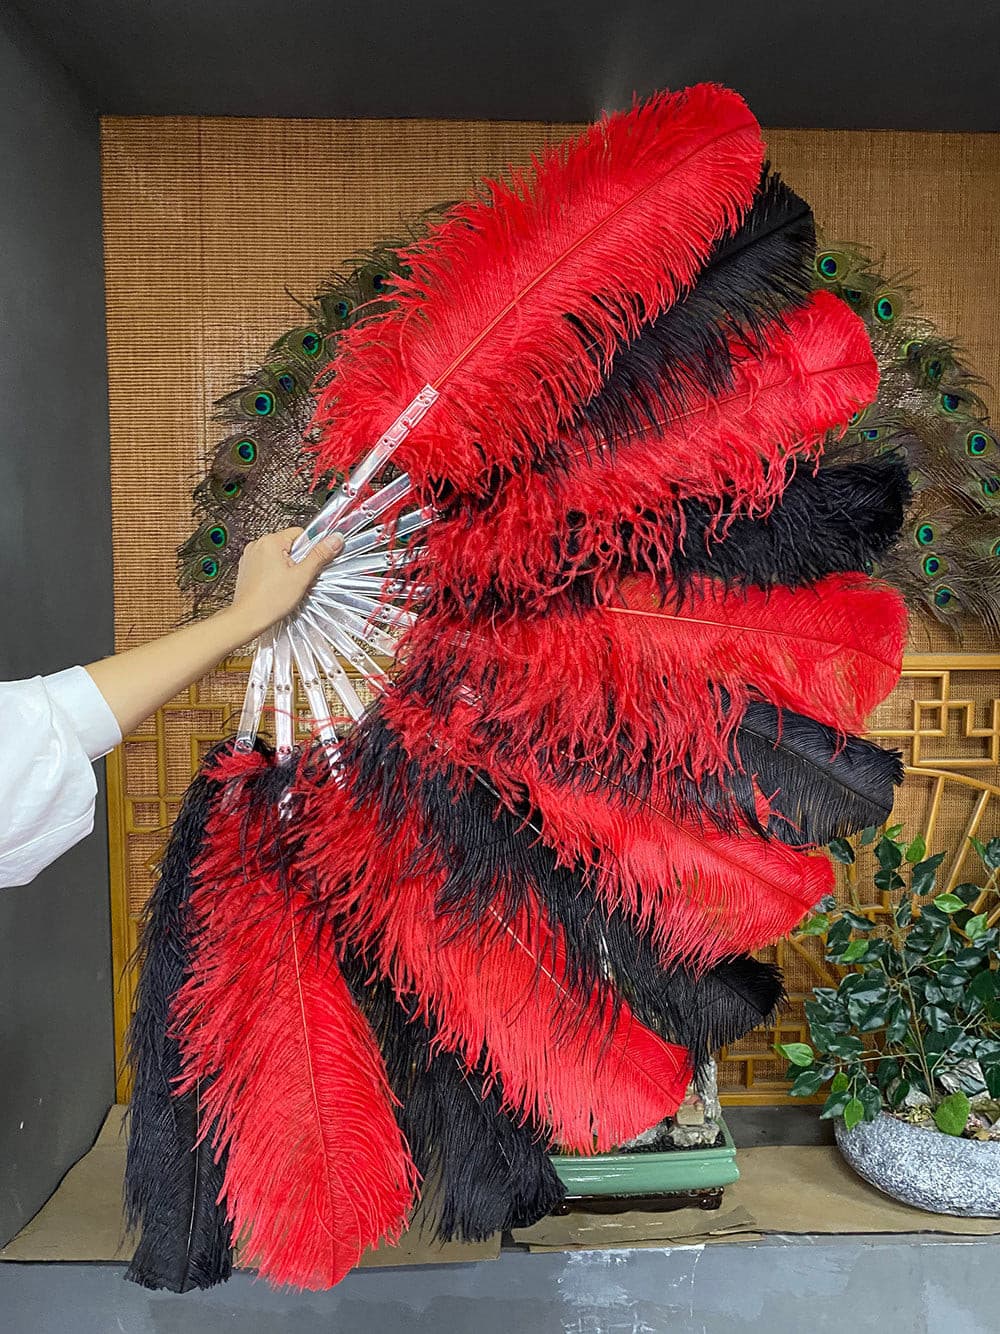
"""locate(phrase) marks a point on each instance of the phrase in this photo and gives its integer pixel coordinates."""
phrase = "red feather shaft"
(317, 1169)
(603, 233)
(730, 448)
(590, 1071)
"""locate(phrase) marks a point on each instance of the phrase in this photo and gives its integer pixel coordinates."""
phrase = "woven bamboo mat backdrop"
(212, 226)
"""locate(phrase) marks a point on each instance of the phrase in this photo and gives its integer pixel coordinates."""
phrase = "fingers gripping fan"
(453, 931)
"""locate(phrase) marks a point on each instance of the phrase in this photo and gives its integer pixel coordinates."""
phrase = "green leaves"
(952, 1113)
(845, 1045)
(976, 926)
(925, 873)
(854, 1112)
(937, 1019)
(854, 951)
(927, 935)
(917, 850)
(887, 1071)
(835, 1104)
(841, 850)
(837, 938)
(817, 925)
(990, 853)
(990, 1066)
(871, 1100)
(798, 1053)
(888, 854)
(986, 985)
(918, 994)
(810, 1081)
(861, 991)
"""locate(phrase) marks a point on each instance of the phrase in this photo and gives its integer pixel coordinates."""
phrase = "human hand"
(269, 584)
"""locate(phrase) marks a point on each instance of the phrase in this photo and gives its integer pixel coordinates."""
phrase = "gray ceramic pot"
(940, 1173)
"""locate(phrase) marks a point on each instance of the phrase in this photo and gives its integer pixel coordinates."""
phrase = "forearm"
(135, 683)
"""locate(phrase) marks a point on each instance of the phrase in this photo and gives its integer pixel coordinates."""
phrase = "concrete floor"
(827, 1285)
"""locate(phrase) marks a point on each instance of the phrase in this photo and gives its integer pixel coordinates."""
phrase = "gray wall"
(56, 1053)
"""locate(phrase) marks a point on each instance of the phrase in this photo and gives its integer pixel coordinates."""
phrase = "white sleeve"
(51, 728)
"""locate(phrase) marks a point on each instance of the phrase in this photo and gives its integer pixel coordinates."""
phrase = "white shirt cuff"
(75, 693)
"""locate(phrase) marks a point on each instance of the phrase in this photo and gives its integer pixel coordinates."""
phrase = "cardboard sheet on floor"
(783, 1189)
(584, 1231)
(795, 1189)
(83, 1219)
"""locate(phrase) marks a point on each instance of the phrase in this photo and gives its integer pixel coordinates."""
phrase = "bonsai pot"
(650, 1173)
(943, 1174)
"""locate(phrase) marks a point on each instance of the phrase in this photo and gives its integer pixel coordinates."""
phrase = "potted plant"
(686, 1159)
(907, 1045)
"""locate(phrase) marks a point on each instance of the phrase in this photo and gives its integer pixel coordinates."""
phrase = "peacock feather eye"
(996, 550)
(934, 565)
(218, 535)
(853, 295)
(990, 487)
(261, 403)
(311, 343)
(885, 311)
(342, 309)
(287, 382)
(226, 489)
(855, 417)
(934, 370)
(977, 443)
(209, 569)
(924, 535)
(950, 402)
(828, 265)
(872, 434)
(380, 282)
(246, 451)
(944, 597)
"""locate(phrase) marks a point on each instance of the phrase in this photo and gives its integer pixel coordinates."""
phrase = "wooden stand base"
(709, 1198)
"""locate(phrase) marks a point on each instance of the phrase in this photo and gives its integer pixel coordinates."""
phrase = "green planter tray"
(650, 1174)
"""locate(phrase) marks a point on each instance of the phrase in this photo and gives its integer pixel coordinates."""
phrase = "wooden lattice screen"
(211, 224)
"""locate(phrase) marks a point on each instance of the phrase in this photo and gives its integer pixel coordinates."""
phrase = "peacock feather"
(256, 481)
(929, 410)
